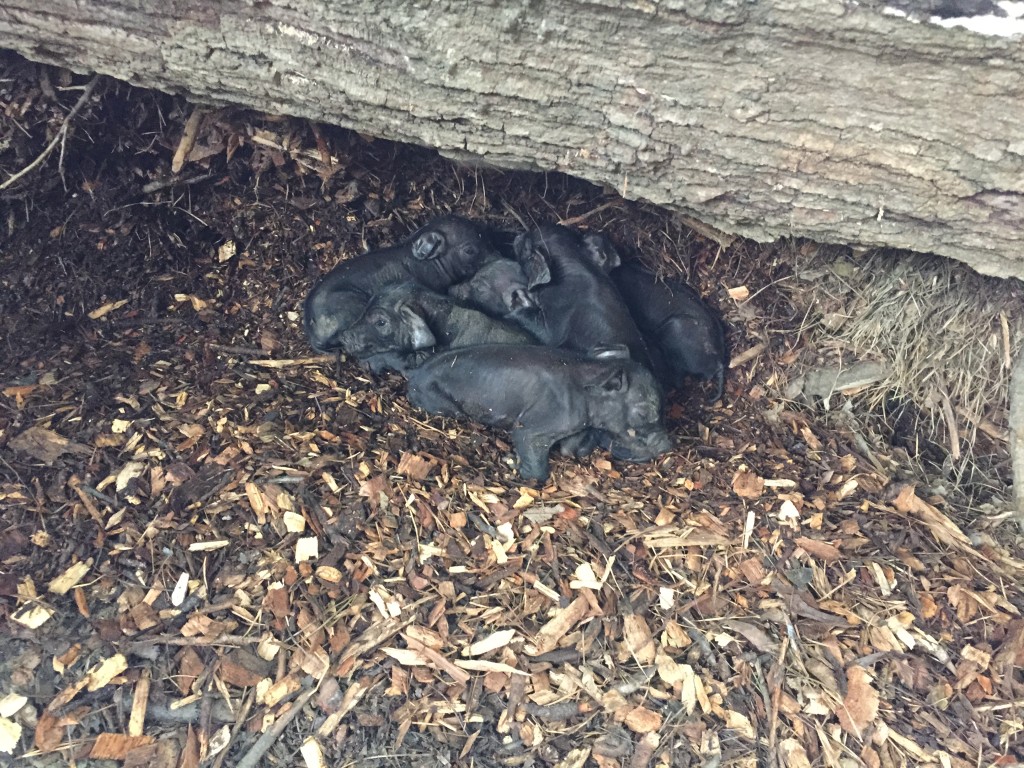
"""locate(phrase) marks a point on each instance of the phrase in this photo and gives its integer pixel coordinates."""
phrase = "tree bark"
(832, 120)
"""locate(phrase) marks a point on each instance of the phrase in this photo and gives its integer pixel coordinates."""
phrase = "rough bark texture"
(825, 119)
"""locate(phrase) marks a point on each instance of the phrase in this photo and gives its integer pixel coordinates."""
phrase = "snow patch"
(1000, 26)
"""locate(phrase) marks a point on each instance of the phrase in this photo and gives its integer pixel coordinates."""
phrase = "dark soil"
(150, 327)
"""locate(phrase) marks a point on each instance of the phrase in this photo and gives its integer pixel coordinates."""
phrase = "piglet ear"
(519, 299)
(601, 252)
(522, 245)
(420, 336)
(428, 245)
(534, 264)
(537, 270)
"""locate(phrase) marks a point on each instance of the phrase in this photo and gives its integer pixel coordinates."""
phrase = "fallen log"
(843, 122)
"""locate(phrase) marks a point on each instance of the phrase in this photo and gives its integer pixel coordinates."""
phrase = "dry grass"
(947, 334)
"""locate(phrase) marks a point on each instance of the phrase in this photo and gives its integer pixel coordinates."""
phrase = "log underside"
(832, 121)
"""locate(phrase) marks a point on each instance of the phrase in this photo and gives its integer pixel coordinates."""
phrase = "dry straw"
(947, 335)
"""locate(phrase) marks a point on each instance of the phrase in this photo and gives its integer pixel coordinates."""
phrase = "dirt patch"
(212, 534)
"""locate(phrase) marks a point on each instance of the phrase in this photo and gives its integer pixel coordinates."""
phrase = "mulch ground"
(219, 548)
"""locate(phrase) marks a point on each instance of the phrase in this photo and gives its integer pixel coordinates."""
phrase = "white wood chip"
(307, 548)
(490, 643)
(10, 734)
(312, 754)
(294, 522)
(180, 590)
(11, 704)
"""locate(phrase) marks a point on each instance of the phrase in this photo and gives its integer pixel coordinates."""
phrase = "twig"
(163, 183)
(174, 181)
(987, 426)
(252, 758)
(139, 322)
(233, 350)
(240, 719)
(558, 711)
(239, 640)
(319, 359)
(98, 494)
(56, 139)
(750, 354)
(584, 216)
(188, 140)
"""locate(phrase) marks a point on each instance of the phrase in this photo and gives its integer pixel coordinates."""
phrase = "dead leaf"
(46, 445)
(414, 466)
(642, 720)
(50, 731)
(819, 549)
(940, 526)
(860, 705)
(19, 393)
(188, 140)
(740, 723)
(638, 641)
(747, 485)
(190, 752)
(753, 634)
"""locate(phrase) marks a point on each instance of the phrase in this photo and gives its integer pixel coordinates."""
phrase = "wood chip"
(548, 636)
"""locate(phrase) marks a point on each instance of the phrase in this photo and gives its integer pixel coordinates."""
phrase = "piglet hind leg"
(580, 445)
(431, 398)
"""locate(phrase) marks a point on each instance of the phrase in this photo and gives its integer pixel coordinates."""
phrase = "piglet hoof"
(535, 476)
(428, 246)
(719, 381)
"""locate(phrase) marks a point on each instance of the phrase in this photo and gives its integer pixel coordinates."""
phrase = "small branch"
(254, 756)
(234, 350)
(56, 139)
(572, 222)
(318, 360)
(174, 181)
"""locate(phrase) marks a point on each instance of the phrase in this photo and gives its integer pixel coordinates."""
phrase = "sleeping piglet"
(447, 250)
(544, 395)
(684, 337)
(408, 318)
(680, 328)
